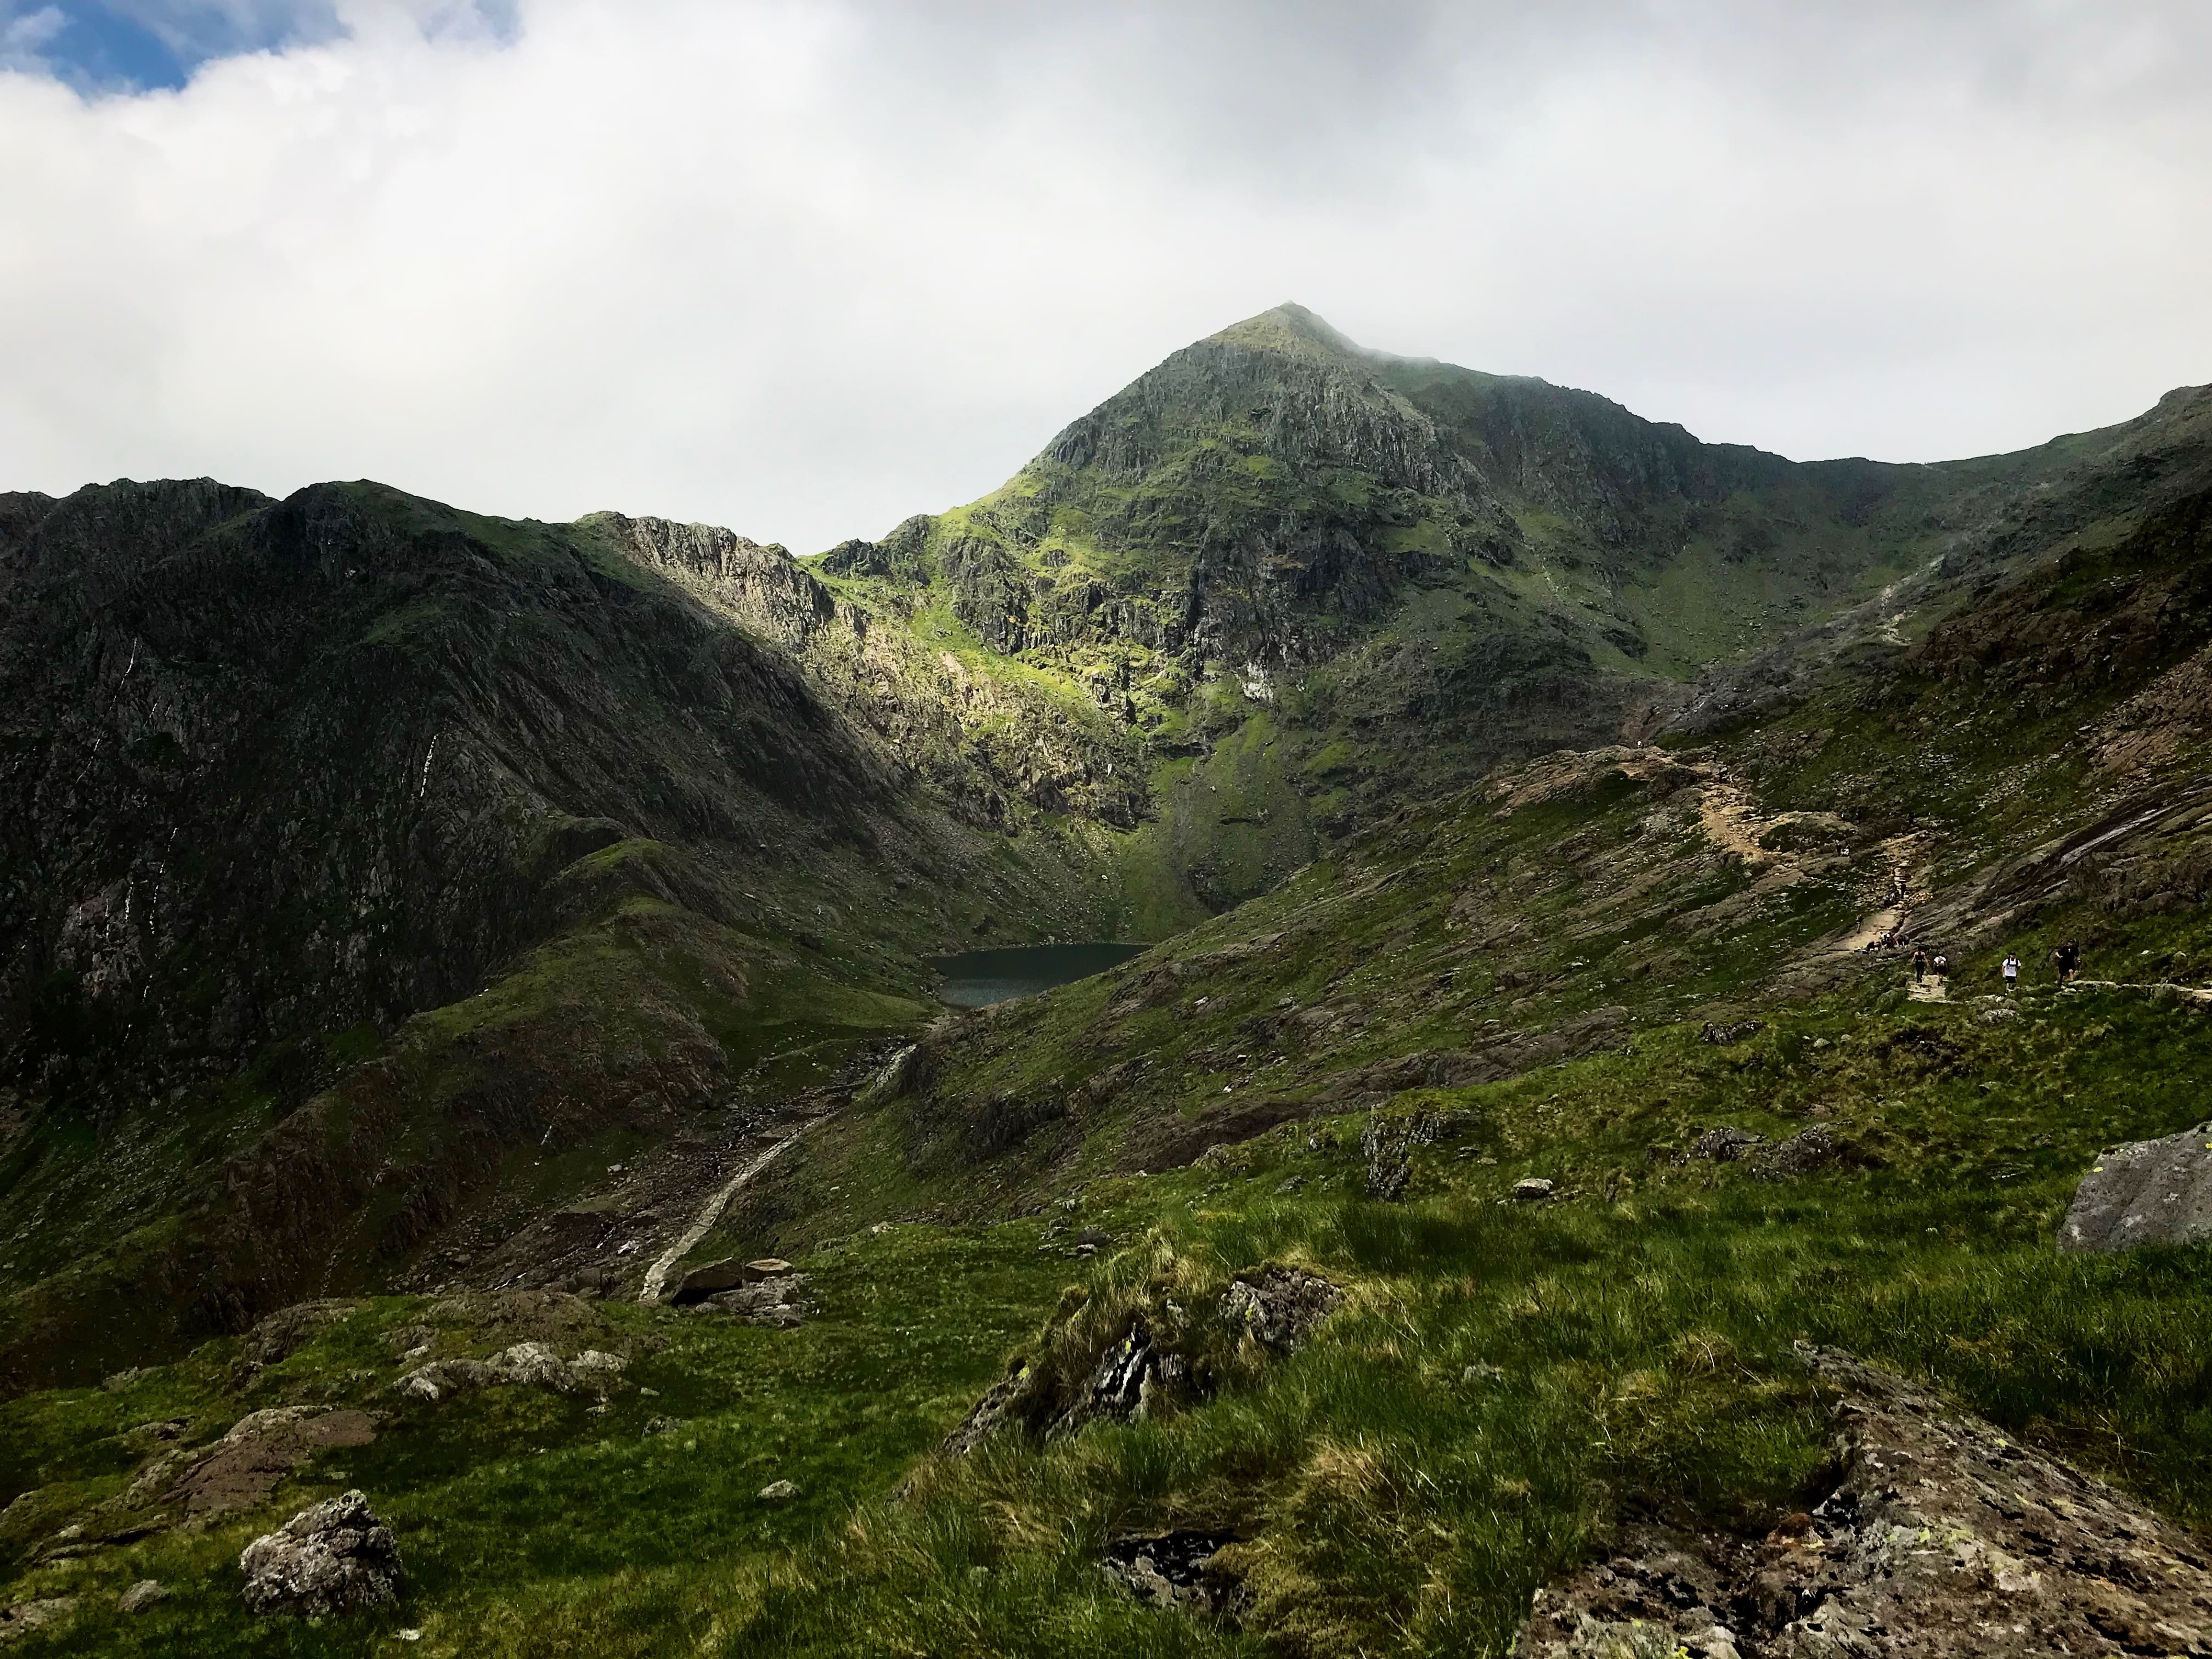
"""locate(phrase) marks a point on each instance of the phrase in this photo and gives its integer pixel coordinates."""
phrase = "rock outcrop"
(526, 1364)
(334, 1557)
(2149, 1192)
(1280, 1307)
(1944, 1537)
(41, 1613)
(1176, 1570)
(260, 1450)
(778, 1300)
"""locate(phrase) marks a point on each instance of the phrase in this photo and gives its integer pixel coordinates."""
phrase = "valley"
(444, 949)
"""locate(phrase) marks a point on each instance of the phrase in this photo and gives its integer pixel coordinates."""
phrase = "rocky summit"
(1650, 1100)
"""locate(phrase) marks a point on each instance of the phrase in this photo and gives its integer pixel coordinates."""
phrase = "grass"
(1629, 1355)
(511, 1502)
(1503, 1385)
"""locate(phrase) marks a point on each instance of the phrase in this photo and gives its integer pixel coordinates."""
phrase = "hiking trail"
(656, 1277)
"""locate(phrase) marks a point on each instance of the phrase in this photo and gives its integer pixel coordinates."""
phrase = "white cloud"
(25, 37)
(803, 268)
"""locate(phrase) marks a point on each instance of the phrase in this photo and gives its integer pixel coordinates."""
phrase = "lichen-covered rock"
(985, 1416)
(1724, 1144)
(533, 1365)
(1176, 1570)
(334, 1557)
(1944, 1537)
(1389, 1154)
(1279, 1306)
(777, 1300)
(525, 1364)
(1805, 1150)
(593, 1364)
(42, 1613)
(2149, 1192)
(142, 1596)
(1118, 1385)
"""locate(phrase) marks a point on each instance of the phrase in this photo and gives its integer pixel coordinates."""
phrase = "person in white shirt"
(2011, 970)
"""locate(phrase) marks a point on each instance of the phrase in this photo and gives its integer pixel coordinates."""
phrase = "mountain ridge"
(430, 939)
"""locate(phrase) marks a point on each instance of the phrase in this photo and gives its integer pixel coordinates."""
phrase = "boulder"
(1943, 1537)
(525, 1364)
(777, 1491)
(532, 1366)
(594, 1365)
(334, 1557)
(1532, 1189)
(704, 1281)
(775, 1302)
(2149, 1192)
(42, 1613)
(1279, 1306)
(141, 1596)
(1724, 1143)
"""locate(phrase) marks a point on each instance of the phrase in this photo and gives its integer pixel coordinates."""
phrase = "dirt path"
(1731, 822)
(656, 1277)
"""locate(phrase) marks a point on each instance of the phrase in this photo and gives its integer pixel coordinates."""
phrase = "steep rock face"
(993, 746)
(763, 585)
(290, 766)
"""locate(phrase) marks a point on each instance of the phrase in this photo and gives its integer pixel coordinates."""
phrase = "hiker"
(2011, 972)
(2068, 958)
(1943, 967)
(1919, 966)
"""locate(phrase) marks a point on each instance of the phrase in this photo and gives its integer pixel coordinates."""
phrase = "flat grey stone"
(2149, 1192)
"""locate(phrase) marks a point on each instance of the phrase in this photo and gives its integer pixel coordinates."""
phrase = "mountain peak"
(1290, 327)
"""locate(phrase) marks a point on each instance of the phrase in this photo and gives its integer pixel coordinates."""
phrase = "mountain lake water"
(976, 979)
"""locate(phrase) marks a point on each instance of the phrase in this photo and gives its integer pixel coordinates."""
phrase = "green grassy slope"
(1503, 1384)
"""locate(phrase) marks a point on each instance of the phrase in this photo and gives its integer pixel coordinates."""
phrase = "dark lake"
(974, 979)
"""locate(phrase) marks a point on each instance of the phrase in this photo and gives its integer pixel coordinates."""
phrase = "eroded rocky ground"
(1943, 1537)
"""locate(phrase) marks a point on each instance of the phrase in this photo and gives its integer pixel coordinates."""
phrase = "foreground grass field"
(1503, 1384)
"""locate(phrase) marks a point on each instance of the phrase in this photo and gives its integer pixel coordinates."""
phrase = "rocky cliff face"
(358, 844)
(1386, 575)
(289, 766)
(997, 746)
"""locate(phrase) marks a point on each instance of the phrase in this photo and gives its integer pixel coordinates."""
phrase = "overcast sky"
(803, 269)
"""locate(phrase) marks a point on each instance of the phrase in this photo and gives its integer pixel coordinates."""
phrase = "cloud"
(805, 268)
(25, 35)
